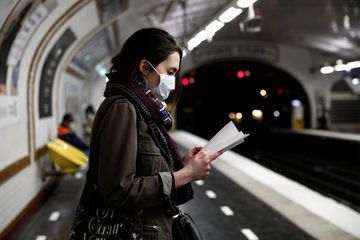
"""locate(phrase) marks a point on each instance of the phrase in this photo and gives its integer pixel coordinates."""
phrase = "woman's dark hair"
(152, 44)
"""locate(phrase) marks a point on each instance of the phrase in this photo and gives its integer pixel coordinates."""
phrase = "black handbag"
(94, 221)
(184, 227)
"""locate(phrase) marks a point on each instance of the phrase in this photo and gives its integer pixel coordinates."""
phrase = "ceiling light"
(296, 103)
(102, 72)
(209, 31)
(230, 14)
(339, 61)
(193, 43)
(341, 67)
(354, 64)
(327, 70)
(203, 35)
(214, 26)
(245, 3)
(355, 81)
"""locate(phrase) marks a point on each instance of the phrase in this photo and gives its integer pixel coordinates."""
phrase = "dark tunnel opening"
(213, 92)
(231, 90)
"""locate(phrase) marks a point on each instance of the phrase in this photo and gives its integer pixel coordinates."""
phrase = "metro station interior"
(287, 72)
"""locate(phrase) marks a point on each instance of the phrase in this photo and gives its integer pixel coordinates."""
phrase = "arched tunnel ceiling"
(180, 17)
(331, 27)
(99, 47)
(327, 26)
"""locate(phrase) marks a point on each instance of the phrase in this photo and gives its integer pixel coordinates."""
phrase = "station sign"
(216, 52)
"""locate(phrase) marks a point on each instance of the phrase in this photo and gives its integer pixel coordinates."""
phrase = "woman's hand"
(190, 154)
(197, 165)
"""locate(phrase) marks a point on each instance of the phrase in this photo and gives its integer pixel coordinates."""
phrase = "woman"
(133, 159)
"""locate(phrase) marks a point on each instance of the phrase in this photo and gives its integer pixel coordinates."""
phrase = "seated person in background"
(68, 135)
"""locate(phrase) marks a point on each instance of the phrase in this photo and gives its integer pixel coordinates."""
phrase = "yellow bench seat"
(66, 157)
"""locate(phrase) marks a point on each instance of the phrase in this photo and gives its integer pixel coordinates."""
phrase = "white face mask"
(166, 85)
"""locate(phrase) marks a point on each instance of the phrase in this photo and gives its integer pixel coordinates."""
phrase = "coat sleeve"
(119, 185)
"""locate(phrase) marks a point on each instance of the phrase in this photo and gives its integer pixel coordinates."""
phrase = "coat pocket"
(149, 158)
(148, 147)
(151, 232)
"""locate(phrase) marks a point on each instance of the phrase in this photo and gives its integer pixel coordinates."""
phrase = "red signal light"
(185, 82)
(240, 74)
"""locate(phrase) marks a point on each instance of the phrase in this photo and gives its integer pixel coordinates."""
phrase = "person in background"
(322, 116)
(89, 119)
(67, 134)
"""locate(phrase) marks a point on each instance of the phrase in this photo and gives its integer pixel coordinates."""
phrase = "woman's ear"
(143, 66)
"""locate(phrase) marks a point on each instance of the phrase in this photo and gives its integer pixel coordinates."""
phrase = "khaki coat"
(132, 172)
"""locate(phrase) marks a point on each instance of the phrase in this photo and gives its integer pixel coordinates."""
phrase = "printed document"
(227, 138)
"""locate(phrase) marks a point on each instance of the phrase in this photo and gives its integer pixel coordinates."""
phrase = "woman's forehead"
(173, 60)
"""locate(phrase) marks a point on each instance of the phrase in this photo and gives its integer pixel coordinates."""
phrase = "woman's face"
(169, 66)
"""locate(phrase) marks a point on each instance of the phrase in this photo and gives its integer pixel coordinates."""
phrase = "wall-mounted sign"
(6, 45)
(9, 110)
(12, 50)
(216, 52)
(49, 70)
(23, 36)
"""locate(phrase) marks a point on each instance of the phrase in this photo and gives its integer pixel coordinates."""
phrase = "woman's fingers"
(213, 156)
(195, 150)
(201, 154)
(200, 163)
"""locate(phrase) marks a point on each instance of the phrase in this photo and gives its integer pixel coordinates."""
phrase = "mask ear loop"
(147, 73)
(153, 67)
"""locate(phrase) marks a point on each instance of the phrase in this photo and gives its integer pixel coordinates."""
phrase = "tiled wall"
(17, 192)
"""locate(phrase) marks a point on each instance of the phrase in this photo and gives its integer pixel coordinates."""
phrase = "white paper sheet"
(227, 138)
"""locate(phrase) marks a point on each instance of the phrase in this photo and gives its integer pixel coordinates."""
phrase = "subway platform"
(239, 200)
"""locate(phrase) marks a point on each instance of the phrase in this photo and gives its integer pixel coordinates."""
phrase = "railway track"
(334, 175)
